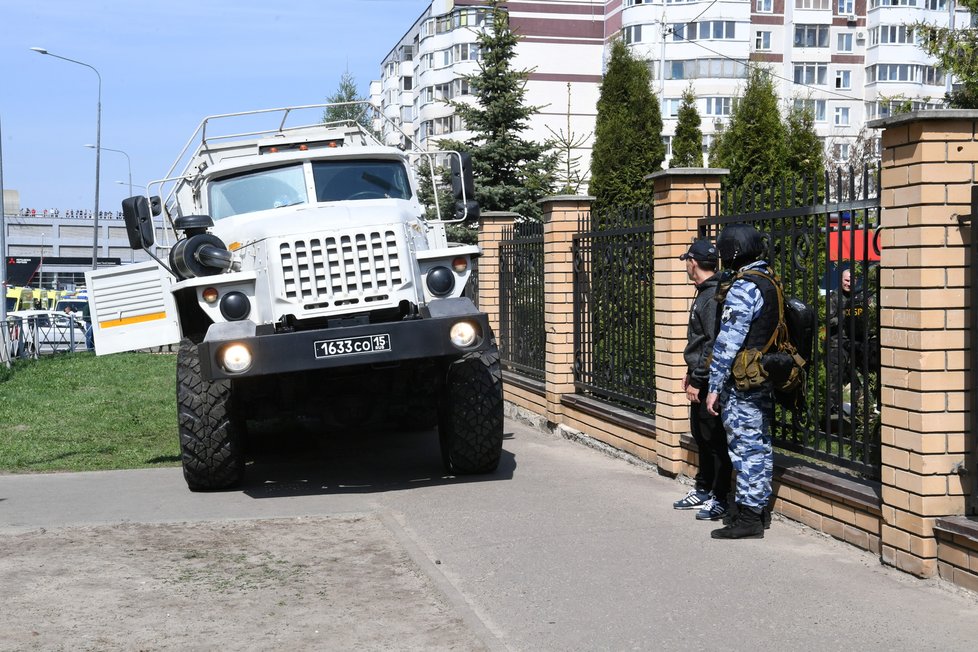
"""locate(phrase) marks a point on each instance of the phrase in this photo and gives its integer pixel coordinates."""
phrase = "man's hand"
(692, 393)
(711, 402)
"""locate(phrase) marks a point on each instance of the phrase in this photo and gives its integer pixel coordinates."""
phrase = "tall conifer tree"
(687, 144)
(752, 144)
(805, 152)
(628, 134)
(347, 92)
(511, 173)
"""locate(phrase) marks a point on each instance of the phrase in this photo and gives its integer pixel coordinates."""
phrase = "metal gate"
(823, 242)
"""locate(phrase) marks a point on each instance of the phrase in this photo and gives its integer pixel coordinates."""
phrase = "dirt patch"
(326, 583)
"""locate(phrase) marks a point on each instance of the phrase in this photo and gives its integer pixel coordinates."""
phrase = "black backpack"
(789, 349)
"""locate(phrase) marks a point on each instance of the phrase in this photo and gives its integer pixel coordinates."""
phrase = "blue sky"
(165, 64)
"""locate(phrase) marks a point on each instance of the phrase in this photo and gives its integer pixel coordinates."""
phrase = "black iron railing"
(522, 338)
(823, 241)
(613, 308)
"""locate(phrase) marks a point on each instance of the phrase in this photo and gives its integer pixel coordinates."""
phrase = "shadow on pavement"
(299, 459)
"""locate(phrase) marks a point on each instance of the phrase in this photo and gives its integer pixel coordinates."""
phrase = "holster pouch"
(747, 371)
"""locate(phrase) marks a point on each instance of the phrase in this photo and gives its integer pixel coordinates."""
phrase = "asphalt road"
(564, 548)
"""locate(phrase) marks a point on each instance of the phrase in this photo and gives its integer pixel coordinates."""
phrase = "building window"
(718, 105)
(936, 5)
(845, 42)
(844, 149)
(632, 34)
(407, 83)
(667, 141)
(466, 52)
(670, 107)
(892, 3)
(894, 34)
(707, 29)
(764, 6)
(705, 68)
(841, 116)
(460, 87)
(817, 107)
(932, 76)
(762, 41)
(813, 4)
(884, 72)
(847, 7)
(843, 79)
(811, 73)
(812, 36)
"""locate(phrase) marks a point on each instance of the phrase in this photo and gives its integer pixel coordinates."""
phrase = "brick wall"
(917, 518)
(929, 168)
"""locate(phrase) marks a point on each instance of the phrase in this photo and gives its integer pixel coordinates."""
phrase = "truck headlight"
(440, 281)
(235, 358)
(465, 334)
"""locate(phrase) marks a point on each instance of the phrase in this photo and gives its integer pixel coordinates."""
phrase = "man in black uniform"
(852, 339)
(713, 477)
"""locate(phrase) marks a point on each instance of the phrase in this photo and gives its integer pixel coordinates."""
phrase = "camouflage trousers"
(747, 420)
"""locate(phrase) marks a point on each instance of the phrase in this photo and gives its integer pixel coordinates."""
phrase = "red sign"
(857, 244)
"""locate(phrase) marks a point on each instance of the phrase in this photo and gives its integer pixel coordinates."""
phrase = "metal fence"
(823, 241)
(522, 336)
(614, 353)
(43, 333)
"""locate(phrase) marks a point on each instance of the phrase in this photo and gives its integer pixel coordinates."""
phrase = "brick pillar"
(561, 215)
(491, 227)
(681, 197)
(929, 167)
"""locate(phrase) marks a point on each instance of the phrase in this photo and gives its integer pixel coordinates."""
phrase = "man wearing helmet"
(747, 320)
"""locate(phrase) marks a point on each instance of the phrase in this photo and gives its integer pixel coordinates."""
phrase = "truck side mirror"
(138, 215)
(462, 177)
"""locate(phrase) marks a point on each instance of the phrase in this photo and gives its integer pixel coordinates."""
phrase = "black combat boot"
(734, 508)
(748, 524)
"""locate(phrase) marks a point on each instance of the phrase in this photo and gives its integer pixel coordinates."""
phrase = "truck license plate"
(353, 345)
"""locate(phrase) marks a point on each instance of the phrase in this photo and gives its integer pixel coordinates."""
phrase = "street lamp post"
(98, 143)
(128, 161)
(131, 184)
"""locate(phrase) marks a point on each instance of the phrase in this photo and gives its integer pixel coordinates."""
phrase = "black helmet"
(739, 245)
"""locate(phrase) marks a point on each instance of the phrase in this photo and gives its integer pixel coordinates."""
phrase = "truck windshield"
(256, 191)
(346, 180)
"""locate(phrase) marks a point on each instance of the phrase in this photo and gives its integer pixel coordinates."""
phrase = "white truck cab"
(305, 278)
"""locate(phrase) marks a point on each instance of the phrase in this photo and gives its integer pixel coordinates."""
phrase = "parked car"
(44, 331)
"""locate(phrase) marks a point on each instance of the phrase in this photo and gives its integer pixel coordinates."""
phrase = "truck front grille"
(341, 270)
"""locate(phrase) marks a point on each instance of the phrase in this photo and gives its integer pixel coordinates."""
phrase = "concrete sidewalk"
(564, 548)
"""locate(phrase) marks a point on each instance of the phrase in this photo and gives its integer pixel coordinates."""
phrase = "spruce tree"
(628, 134)
(511, 173)
(752, 144)
(347, 92)
(805, 153)
(687, 144)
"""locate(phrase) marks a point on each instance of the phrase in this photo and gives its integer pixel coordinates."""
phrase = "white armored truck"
(303, 277)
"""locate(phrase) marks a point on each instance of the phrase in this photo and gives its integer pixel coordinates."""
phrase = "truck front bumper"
(348, 346)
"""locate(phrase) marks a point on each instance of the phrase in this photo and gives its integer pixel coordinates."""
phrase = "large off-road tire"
(210, 437)
(470, 419)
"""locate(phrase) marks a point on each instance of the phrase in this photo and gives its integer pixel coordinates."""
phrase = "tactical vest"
(747, 371)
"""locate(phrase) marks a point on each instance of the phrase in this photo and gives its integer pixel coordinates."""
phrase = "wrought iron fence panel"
(819, 231)
(522, 335)
(614, 352)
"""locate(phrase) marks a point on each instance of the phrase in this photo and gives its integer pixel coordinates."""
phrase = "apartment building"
(562, 43)
(849, 60)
